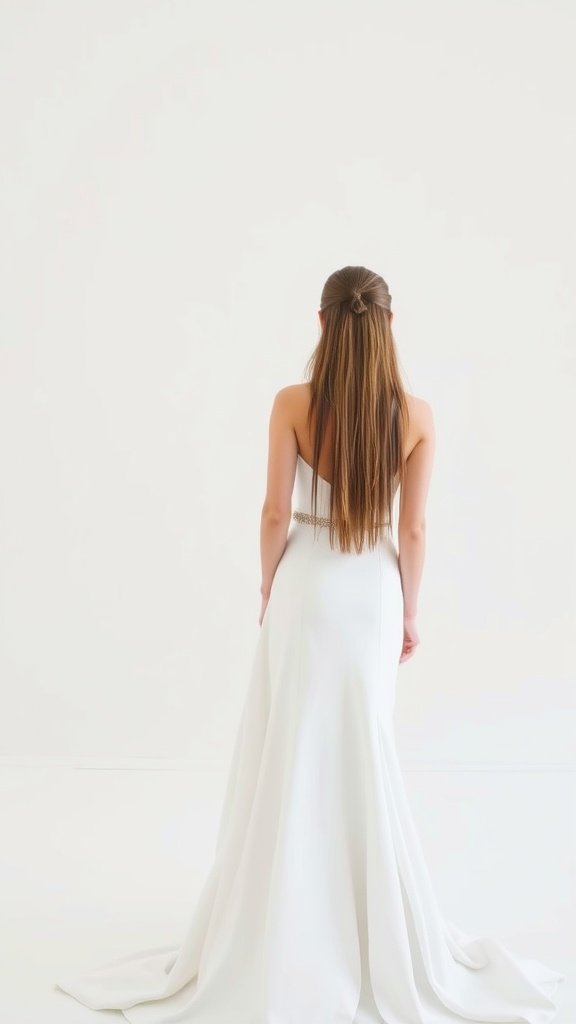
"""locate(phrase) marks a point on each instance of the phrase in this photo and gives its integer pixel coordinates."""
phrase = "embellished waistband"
(306, 517)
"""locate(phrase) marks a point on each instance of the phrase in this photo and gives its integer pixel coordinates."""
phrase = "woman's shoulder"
(293, 399)
(293, 392)
(418, 407)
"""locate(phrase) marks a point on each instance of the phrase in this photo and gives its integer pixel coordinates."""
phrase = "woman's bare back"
(418, 419)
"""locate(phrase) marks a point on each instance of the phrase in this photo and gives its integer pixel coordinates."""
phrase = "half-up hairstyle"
(354, 376)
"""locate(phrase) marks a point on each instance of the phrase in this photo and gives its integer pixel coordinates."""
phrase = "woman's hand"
(411, 638)
(265, 599)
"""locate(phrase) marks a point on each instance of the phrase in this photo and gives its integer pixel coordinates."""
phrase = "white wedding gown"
(318, 907)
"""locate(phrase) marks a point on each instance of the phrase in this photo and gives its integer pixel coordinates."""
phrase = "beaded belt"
(306, 517)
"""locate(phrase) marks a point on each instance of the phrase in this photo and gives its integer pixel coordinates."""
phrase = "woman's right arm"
(412, 519)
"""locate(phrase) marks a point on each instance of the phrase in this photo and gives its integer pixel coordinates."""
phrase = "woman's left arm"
(277, 507)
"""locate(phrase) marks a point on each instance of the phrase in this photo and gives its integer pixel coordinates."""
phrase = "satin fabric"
(318, 907)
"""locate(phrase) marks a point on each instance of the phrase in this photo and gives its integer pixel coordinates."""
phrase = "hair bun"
(357, 304)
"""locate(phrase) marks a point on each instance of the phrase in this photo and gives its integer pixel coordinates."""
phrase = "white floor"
(94, 863)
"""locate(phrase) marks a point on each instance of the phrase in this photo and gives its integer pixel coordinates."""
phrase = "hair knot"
(357, 304)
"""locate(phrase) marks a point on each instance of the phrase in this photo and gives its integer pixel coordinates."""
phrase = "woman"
(318, 907)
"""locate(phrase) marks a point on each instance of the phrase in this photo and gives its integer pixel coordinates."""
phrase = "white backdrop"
(178, 182)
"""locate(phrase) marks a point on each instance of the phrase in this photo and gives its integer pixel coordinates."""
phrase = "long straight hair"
(355, 380)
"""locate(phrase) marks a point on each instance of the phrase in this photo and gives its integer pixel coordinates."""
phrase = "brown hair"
(354, 376)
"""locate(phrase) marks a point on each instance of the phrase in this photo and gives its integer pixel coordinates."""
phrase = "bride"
(318, 907)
